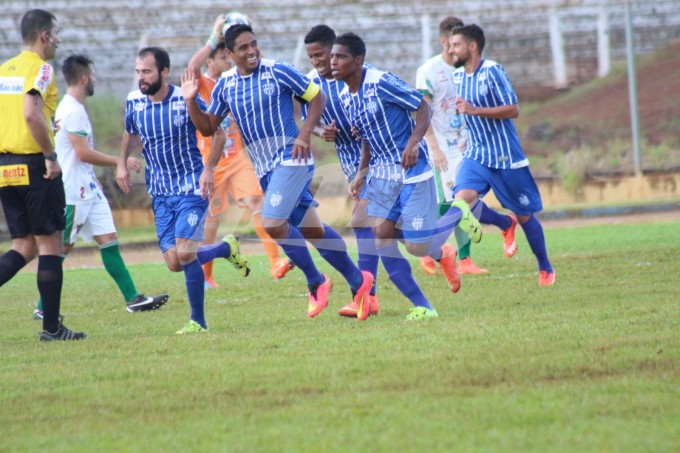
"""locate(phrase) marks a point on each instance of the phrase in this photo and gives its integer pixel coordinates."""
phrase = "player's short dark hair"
(234, 32)
(472, 32)
(449, 23)
(160, 55)
(74, 66)
(218, 47)
(323, 34)
(353, 42)
(35, 22)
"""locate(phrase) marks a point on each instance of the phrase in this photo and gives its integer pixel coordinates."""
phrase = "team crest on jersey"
(417, 222)
(178, 105)
(268, 88)
(276, 199)
(523, 200)
(192, 219)
(372, 107)
(179, 120)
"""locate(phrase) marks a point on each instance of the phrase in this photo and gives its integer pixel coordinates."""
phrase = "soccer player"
(176, 179)
(399, 185)
(336, 128)
(444, 138)
(31, 189)
(234, 174)
(87, 210)
(494, 158)
(259, 94)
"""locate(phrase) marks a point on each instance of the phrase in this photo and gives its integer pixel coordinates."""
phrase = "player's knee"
(416, 249)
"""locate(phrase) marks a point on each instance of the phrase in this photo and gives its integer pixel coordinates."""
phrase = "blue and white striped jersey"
(348, 148)
(491, 142)
(381, 111)
(262, 106)
(173, 161)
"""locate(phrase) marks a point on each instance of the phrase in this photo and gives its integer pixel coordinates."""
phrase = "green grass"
(591, 364)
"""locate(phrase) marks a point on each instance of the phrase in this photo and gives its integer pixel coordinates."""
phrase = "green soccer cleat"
(239, 261)
(468, 222)
(192, 327)
(419, 313)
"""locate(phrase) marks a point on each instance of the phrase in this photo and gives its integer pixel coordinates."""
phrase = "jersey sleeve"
(423, 83)
(130, 125)
(75, 123)
(501, 86)
(299, 84)
(218, 103)
(394, 90)
(40, 79)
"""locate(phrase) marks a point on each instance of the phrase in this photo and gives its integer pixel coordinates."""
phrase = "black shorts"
(33, 205)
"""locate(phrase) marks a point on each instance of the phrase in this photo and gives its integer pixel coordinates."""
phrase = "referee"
(31, 188)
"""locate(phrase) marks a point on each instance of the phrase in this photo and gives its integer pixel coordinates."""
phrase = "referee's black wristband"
(51, 157)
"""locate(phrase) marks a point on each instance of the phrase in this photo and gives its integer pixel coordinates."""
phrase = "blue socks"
(368, 254)
(194, 279)
(207, 253)
(491, 217)
(295, 247)
(399, 271)
(445, 226)
(333, 249)
(533, 230)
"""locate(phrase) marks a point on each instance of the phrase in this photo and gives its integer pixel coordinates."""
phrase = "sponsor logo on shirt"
(44, 77)
(139, 107)
(178, 105)
(11, 85)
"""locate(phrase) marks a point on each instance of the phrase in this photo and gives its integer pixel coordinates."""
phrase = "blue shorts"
(286, 193)
(414, 205)
(178, 216)
(515, 189)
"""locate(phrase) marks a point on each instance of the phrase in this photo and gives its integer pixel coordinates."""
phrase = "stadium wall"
(517, 31)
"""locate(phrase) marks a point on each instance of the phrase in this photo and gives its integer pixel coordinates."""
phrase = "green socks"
(114, 265)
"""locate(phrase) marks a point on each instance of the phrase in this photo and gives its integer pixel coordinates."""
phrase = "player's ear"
(165, 73)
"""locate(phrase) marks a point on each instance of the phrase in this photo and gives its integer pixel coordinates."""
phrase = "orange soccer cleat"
(509, 243)
(318, 297)
(547, 278)
(448, 265)
(281, 268)
(428, 265)
(466, 266)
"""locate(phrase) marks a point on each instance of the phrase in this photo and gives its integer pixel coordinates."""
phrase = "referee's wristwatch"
(52, 156)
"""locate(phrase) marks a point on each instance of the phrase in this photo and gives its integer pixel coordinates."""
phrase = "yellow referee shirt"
(19, 75)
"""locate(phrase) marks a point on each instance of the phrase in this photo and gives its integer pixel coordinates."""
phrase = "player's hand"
(356, 134)
(409, 157)
(301, 149)
(464, 107)
(440, 161)
(133, 164)
(330, 132)
(56, 126)
(123, 176)
(207, 183)
(356, 186)
(53, 169)
(216, 33)
(189, 84)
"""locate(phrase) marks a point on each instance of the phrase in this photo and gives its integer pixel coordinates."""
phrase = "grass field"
(591, 364)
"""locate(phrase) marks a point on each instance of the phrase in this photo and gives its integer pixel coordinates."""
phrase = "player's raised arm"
(206, 123)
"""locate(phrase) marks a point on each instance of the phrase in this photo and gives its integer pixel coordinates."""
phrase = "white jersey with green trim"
(80, 182)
